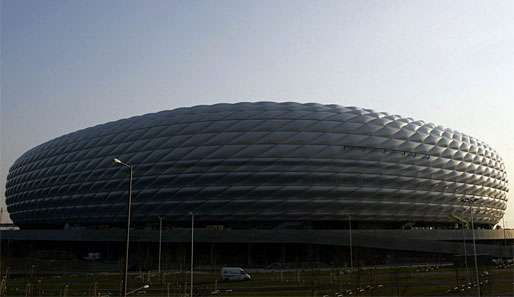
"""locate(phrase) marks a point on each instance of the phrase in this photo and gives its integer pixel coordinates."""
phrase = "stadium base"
(271, 249)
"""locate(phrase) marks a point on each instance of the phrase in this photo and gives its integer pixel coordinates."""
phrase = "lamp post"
(1, 217)
(465, 252)
(160, 244)
(351, 247)
(192, 248)
(511, 256)
(117, 162)
(470, 201)
(504, 253)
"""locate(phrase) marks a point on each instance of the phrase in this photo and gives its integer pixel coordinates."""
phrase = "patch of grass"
(370, 282)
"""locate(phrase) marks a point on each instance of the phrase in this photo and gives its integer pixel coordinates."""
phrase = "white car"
(234, 274)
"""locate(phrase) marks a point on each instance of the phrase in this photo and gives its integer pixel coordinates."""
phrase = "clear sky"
(67, 65)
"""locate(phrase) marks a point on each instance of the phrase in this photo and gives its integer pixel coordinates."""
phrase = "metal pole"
(351, 247)
(475, 251)
(512, 256)
(504, 251)
(160, 243)
(192, 248)
(1, 217)
(129, 206)
(465, 252)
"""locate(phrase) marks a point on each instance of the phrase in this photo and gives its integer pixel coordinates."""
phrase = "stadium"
(281, 175)
(264, 165)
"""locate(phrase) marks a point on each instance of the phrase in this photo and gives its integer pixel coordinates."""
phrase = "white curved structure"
(261, 164)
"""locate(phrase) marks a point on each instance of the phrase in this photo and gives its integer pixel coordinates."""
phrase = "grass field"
(405, 281)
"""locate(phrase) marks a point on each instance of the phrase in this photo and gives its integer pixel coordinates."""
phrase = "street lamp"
(1, 217)
(117, 162)
(470, 201)
(140, 288)
(192, 248)
(465, 250)
(351, 247)
(160, 244)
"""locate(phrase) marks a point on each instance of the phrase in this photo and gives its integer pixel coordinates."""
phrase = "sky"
(68, 65)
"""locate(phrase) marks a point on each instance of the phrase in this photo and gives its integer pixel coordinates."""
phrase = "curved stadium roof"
(259, 162)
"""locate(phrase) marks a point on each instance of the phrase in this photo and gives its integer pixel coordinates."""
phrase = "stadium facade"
(261, 165)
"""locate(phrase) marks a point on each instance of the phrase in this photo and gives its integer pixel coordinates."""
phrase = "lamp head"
(116, 161)
(146, 286)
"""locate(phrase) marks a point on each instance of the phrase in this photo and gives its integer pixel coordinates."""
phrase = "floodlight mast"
(115, 162)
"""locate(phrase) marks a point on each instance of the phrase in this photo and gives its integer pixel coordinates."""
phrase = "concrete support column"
(249, 250)
(283, 253)
(181, 254)
(212, 261)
